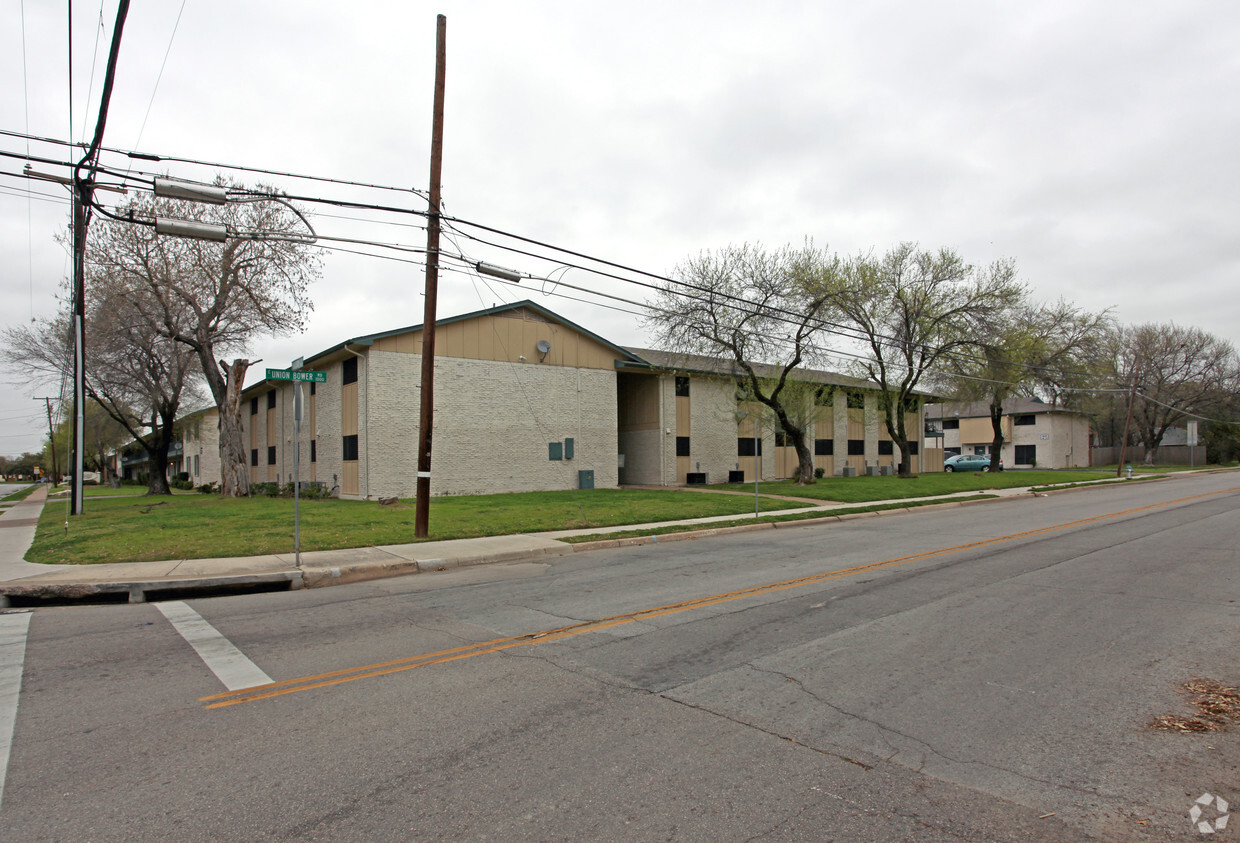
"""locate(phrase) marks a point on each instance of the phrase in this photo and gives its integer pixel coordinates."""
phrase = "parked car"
(969, 462)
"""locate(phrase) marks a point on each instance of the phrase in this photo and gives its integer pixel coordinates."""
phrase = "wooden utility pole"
(421, 528)
(1132, 397)
(51, 437)
(83, 192)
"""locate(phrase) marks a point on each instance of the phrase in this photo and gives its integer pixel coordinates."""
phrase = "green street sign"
(290, 375)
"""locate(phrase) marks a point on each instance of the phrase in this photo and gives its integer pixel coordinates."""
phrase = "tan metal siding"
(508, 337)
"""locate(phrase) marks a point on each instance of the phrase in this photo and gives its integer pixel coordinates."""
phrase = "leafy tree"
(761, 312)
(1178, 372)
(214, 298)
(913, 309)
(1026, 350)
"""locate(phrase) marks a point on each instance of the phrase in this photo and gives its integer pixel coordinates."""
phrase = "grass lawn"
(198, 526)
(858, 489)
(20, 494)
(109, 492)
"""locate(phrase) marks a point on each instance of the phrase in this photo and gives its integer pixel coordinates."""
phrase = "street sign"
(289, 375)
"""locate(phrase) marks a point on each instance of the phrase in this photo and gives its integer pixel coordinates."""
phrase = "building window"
(951, 424)
(349, 447)
(912, 448)
(745, 447)
(312, 387)
(886, 448)
(856, 401)
(824, 447)
(271, 455)
(682, 386)
(196, 474)
(856, 447)
(314, 454)
(254, 406)
(1026, 454)
(254, 456)
(682, 446)
(348, 371)
(271, 400)
(824, 396)
(1026, 419)
(781, 439)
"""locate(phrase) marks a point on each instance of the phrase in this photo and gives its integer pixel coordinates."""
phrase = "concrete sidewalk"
(140, 580)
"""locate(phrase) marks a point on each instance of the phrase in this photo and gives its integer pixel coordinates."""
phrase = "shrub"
(270, 490)
(819, 473)
(211, 488)
(183, 485)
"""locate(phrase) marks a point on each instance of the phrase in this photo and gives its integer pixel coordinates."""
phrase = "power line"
(738, 303)
(159, 77)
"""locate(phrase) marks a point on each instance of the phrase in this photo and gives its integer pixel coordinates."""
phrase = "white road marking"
(13, 631)
(225, 660)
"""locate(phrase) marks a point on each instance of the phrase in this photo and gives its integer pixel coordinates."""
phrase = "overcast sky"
(1093, 142)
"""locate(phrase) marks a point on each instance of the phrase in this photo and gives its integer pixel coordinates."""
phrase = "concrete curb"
(689, 535)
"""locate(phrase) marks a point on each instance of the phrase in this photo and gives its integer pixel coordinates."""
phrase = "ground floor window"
(824, 447)
(682, 446)
(886, 448)
(349, 446)
(745, 446)
(856, 447)
(254, 456)
(271, 455)
(314, 454)
(1026, 454)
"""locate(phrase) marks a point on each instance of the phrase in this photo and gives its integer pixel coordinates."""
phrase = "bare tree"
(1178, 372)
(761, 312)
(912, 309)
(212, 297)
(135, 374)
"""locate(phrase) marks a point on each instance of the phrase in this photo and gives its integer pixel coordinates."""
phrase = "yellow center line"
(337, 677)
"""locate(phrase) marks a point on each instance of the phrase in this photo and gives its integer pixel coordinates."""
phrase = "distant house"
(1034, 433)
(526, 400)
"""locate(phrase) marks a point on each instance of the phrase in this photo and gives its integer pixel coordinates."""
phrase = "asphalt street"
(981, 673)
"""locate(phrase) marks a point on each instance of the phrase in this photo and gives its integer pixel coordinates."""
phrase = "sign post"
(297, 364)
(298, 377)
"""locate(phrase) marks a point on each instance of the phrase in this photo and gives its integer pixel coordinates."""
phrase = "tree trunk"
(157, 459)
(234, 462)
(805, 460)
(996, 444)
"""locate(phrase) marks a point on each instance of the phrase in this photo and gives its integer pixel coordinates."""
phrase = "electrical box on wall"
(568, 449)
(585, 479)
(555, 450)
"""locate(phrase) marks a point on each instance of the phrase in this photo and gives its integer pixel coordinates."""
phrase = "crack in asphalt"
(930, 748)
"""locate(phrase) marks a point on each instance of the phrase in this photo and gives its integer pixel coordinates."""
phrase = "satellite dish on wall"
(543, 347)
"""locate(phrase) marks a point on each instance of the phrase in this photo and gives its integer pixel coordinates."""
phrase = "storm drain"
(28, 596)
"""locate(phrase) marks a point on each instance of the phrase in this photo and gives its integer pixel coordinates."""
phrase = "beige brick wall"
(327, 426)
(201, 438)
(493, 423)
(641, 457)
(712, 435)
